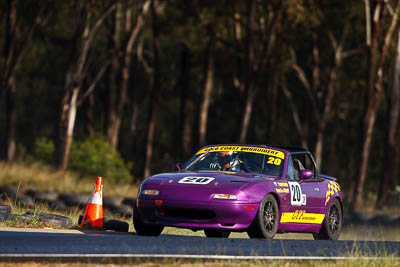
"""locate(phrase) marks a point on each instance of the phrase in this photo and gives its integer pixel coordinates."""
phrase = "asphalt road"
(74, 244)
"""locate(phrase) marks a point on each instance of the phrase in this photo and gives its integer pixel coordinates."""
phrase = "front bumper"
(221, 214)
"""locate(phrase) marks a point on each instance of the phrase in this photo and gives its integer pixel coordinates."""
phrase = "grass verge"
(221, 263)
(44, 178)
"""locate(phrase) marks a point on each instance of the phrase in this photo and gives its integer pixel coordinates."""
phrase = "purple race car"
(258, 189)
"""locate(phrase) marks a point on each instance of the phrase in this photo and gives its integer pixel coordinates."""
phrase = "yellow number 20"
(274, 161)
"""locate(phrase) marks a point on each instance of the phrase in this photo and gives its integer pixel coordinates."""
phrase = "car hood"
(178, 186)
(204, 179)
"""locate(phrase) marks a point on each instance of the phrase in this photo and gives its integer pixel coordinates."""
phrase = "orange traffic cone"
(94, 209)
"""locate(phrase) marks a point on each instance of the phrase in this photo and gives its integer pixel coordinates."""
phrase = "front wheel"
(332, 224)
(265, 224)
(217, 233)
(144, 229)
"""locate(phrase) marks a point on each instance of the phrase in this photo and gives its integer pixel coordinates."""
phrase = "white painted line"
(216, 257)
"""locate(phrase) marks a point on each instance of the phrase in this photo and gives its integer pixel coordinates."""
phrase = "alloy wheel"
(269, 216)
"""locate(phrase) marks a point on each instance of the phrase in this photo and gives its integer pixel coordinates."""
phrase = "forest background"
(128, 87)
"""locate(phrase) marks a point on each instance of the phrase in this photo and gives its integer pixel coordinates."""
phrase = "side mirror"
(305, 174)
(177, 167)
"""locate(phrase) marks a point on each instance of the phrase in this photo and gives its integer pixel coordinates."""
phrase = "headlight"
(150, 192)
(225, 196)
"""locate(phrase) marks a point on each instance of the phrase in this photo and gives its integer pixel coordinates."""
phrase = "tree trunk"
(369, 121)
(73, 82)
(373, 100)
(9, 47)
(272, 108)
(89, 115)
(250, 58)
(314, 89)
(70, 126)
(153, 107)
(16, 43)
(120, 68)
(114, 71)
(315, 62)
(295, 114)
(8, 87)
(322, 117)
(186, 106)
(11, 111)
(83, 36)
(391, 151)
(66, 125)
(61, 140)
(206, 93)
(327, 112)
(255, 66)
(248, 108)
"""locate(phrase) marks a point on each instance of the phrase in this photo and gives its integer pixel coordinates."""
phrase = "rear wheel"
(332, 224)
(265, 223)
(145, 229)
(216, 233)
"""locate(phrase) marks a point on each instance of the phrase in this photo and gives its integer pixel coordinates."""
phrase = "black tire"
(129, 201)
(112, 202)
(332, 224)
(218, 233)
(25, 201)
(74, 200)
(124, 210)
(111, 224)
(21, 217)
(5, 212)
(265, 224)
(9, 192)
(42, 195)
(116, 225)
(144, 229)
(53, 219)
(55, 204)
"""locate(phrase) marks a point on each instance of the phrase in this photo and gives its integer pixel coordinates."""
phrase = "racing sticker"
(332, 188)
(259, 150)
(195, 180)
(301, 216)
(281, 187)
(297, 198)
(282, 190)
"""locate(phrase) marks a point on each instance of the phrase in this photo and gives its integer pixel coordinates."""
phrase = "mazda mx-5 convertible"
(258, 189)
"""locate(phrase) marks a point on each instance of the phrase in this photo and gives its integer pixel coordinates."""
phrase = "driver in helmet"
(228, 161)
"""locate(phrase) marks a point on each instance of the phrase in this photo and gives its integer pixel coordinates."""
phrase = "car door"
(304, 205)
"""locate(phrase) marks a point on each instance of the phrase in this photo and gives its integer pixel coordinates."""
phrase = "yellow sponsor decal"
(332, 188)
(301, 216)
(283, 184)
(282, 190)
(259, 150)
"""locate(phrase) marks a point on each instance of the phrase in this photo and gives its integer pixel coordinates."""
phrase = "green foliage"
(43, 150)
(91, 157)
(96, 157)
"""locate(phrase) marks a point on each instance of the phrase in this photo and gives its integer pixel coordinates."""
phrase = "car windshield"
(265, 161)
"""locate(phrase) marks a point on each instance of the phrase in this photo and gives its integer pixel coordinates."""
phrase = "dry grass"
(44, 178)
(221, 263)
